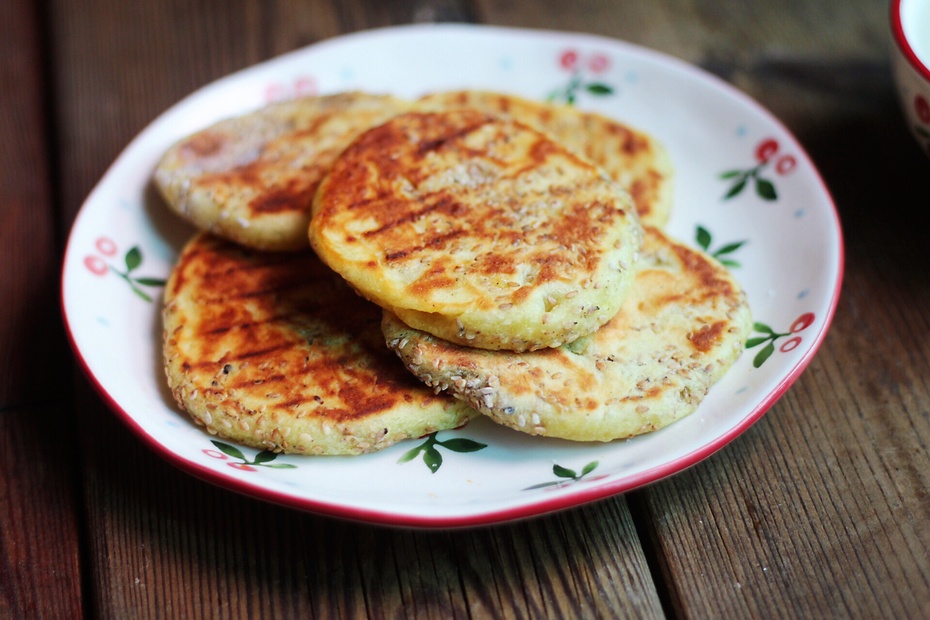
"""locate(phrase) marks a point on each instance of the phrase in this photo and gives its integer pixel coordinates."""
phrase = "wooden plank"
(821, 509)
(162, 543)
(40, 557)
(39, 546)
(177, 546)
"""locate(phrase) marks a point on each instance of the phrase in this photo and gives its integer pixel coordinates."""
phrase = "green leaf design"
(755, 342)
(461, 444)
(703, 237)
(766, 189)
(568, 476)
(409, 455)
(563, 472)
(133, 258)
(145, 296)
(731, 174)
(264, 456)
(763, 355)
(762, 327)
(431, 455)
(736, 189)
(228, 450)
(726, 262)
(729, 248)
(262, 459)
(151, 281)
(432, 458)
(597, 88)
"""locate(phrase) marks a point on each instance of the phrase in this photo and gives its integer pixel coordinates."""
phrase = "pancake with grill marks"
(478, 230)
(252, 178)
(682, 326)
(633, 158)
(273, 350)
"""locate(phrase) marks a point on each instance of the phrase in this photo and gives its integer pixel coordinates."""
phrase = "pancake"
(274, 351)
(683, 325)
(478, 230)
(633, 158)
(251, 179)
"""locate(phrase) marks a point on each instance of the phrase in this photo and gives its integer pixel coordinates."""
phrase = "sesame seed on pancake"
(274, 351)
(479, 230)
(633, 158)
(682, 326)
(252, 178)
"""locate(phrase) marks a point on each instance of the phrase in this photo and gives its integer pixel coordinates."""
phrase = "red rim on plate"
(900, 39)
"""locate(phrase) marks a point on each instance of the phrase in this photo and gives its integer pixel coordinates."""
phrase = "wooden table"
(821, 509)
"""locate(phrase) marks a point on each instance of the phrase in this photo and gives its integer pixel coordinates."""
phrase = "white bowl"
(910, 27)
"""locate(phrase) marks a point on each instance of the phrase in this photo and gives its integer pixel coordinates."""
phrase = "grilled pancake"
(273, 350)
(682, 326)
(636, 160)
(478, 230)
(251, 179)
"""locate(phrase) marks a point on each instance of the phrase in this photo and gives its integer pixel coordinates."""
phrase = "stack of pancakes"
(510, 253)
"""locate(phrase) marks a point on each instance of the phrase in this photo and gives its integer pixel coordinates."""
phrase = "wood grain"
(164, 542)
(39, 504)
(819, 510)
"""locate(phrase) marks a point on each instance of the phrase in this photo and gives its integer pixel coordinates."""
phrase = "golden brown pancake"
(633, 158)
(682, 326)
(252, 178)
(274, 351)
(479, 230)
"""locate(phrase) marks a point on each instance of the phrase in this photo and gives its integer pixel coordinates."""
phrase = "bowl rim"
(897, 30)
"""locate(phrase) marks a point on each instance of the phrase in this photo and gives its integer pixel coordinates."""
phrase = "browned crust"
(633, 158)
(464, 206)
(252, 178)
(683, 325)
(258, 344)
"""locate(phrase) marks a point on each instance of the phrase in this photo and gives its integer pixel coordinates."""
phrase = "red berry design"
(215, 454)
(105, 246)
(300, 87)
(741, 178)
(769, 336)
(568, 59)
(571, 61)
(305, 86)
(766, 149)
(598, 63)
(785, 164)
(242, 466)
(274, 92)
(802, 322)
(132, 261)
(790, 345)
(96, 265)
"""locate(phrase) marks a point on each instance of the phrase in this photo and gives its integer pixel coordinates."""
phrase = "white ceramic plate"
(741, 177)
